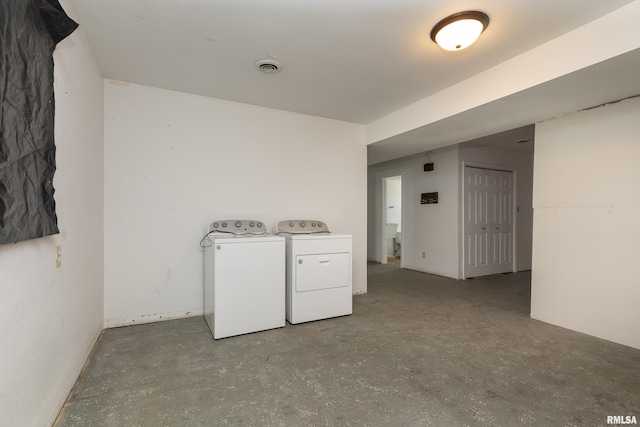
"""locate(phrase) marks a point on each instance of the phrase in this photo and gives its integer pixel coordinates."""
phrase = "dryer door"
(323, 271)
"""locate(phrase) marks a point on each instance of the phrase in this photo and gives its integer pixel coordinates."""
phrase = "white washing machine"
(244, 278)
(319, 284)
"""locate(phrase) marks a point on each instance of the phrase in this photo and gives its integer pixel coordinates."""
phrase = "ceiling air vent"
(268, 66)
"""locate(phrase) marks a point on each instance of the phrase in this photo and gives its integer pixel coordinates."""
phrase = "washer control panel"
(238, 226)
(302, 226)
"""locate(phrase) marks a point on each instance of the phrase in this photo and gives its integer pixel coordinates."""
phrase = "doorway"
(391, 248)
(489, 225)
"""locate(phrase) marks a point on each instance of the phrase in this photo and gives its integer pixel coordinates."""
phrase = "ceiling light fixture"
(459, 30)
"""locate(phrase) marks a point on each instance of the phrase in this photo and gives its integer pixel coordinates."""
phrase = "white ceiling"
(351, 60)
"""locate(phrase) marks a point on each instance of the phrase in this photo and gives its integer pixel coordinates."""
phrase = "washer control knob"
(252, 224)
(224, 225)
(320, 224)
(216, 225)
(299, 261)
(303, 224)
(238, 224)
(313, 224)
(259, 224)
(290, 224)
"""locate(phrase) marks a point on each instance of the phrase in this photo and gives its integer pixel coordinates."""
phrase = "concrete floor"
(419, 350)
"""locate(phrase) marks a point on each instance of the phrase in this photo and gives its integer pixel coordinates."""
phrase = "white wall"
(586, 212)
(521, 162)
(429, 228)
(174, 162)
(50, 317)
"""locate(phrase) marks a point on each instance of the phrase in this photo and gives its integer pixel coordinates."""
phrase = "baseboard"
(420, 270)
(72, 383)
(150, 318)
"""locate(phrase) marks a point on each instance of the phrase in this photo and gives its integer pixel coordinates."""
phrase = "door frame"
(463, 226)
(382, 226)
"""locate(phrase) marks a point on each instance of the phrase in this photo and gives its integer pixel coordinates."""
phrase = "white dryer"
(244, 278)
(318, 271)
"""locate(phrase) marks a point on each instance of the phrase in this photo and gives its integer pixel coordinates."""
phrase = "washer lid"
(218, 238)
(302, 226)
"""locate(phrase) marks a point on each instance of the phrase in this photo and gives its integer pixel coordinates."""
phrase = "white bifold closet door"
(489, 225)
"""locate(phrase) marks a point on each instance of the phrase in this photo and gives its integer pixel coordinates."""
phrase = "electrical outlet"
(58, 256)
(424, 255)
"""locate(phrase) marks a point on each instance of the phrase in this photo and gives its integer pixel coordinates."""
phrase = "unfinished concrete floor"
(419, 350)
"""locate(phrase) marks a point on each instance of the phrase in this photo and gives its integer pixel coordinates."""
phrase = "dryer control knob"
(215, 225)
(319, 224)
(259, 224)
(303, 224)
(252, 224)
(238, 224)
(290, 224)
(224, 225)
(313, 224)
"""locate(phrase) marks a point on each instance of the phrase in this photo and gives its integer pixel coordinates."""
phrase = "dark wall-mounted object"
(29, 30)
(429, 198)
(428, 167)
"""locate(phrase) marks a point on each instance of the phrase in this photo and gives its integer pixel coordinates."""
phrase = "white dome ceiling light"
(268, 66)
(459, 30)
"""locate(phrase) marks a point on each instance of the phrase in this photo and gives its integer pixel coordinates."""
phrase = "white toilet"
(392, 230)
